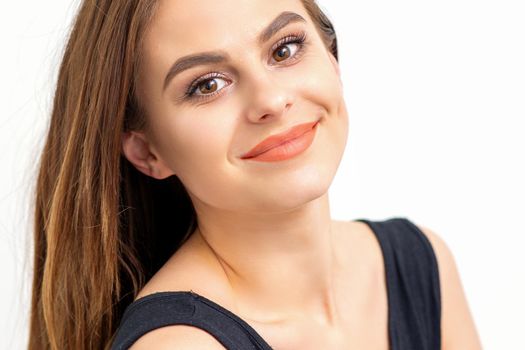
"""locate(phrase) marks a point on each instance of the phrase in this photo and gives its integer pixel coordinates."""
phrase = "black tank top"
(414, 300)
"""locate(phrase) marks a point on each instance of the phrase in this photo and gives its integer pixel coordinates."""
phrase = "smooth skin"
(262, 225)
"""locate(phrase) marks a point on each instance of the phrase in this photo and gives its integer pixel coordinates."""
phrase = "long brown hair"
(102, 228)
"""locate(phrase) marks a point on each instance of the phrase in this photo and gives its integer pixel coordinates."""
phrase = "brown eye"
(282, 53)
(287, 49)
(208, 86)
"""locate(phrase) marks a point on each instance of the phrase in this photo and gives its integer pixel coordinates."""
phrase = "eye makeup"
(193, 91)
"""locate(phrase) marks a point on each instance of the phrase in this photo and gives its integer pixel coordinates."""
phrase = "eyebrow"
(203, 58)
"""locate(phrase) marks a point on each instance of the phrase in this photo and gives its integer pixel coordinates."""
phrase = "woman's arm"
(458, 331)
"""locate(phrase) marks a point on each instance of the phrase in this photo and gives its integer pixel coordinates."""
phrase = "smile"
(288, 148)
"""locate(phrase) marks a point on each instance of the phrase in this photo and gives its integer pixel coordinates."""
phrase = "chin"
(292, 193)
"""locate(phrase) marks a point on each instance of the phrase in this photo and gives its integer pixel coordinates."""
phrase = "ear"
(139, 152)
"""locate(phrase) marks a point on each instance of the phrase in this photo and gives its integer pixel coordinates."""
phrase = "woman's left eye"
(283, 52)
(288, 48)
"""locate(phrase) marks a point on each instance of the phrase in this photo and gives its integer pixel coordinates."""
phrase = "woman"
(184, 181)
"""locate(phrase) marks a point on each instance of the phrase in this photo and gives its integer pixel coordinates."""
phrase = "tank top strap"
(414, 304)
(185, 308)
(412, 278)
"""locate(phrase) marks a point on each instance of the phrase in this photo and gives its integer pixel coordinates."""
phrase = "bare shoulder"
(183, 337)
(457, 324)
(191, 268)
(188, 269)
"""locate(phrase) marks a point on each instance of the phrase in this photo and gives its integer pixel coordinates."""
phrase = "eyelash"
(298, 38)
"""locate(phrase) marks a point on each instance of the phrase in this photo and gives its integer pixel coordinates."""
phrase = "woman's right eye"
(207, 86)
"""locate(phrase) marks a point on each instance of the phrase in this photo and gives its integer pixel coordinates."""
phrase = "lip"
(286, 137)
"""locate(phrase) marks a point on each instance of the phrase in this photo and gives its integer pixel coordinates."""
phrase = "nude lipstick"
(284, 145)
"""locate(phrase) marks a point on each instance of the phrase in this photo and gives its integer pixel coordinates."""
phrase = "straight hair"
(101, 227)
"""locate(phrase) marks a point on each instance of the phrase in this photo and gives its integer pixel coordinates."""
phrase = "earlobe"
(138, 152)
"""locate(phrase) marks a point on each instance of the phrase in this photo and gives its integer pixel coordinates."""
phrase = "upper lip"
(278, 139)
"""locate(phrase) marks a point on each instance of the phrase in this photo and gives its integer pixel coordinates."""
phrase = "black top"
(414, 300)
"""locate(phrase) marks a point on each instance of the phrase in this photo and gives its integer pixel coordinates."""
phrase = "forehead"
(182, 27)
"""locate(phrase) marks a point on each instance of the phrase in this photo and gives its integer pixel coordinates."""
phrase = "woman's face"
(238, 87)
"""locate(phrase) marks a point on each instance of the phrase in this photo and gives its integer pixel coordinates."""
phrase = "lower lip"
(289, 149)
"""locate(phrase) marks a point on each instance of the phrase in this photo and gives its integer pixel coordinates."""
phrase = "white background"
(436, 100)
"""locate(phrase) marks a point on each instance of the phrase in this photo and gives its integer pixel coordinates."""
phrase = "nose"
(267, 97)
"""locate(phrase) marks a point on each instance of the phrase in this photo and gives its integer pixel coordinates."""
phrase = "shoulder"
(448, 271)
(458, 328)
(183, 337)
(191, 268)
(188, 269)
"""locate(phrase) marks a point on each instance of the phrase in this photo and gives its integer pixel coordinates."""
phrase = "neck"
(284, 261)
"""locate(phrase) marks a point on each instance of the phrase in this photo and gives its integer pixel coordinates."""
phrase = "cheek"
(322, 88)
(190, 143)
(320, 83)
